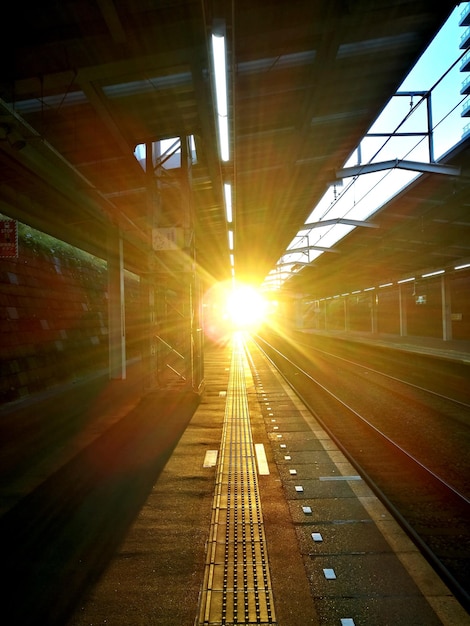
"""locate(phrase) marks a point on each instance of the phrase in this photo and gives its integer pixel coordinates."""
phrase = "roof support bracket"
(416, 166)
(307, 248)
(338, 220)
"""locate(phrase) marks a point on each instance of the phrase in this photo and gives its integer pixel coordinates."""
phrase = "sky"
(359, 198)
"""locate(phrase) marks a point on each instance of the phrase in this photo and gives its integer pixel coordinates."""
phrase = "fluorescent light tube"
(218, 53)
(219, 59)
(436, 273)
(228, 202)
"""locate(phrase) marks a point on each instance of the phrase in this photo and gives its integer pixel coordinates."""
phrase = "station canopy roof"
(85, 86)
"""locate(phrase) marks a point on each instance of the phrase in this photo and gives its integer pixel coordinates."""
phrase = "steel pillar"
(402, 311)
(446, 308)
(116, 306)
(177, 337)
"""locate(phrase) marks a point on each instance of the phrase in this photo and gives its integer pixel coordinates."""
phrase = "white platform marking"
(210, 458)
(263, 467)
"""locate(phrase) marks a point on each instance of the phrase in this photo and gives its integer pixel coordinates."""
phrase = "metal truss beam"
(307, 248)
(339, 220)
(416, 166)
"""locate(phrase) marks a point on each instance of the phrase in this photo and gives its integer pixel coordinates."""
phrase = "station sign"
(167, 239)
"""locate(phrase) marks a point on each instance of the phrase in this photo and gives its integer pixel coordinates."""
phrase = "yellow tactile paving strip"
(237, 586)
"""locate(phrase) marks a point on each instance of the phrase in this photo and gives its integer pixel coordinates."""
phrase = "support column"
(198, 336)
(299, 308)
(373, 312)
(402, 311)
(178, 333)
(116, 307)
(347, 323)
(325, 311)
(446, 308)
(148, 331)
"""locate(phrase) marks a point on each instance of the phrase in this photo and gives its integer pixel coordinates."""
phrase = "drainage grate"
(237, 585)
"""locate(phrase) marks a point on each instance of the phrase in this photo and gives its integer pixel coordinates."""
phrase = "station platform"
(258, 518)
(457, 351)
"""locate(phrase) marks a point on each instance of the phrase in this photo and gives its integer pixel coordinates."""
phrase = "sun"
(246, 307)
(229, 306)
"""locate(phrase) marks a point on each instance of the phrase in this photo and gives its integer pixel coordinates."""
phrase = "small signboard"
(8, 238)
(167, 238)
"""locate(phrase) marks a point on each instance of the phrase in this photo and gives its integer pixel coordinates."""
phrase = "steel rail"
(395, 378)
(460, 592)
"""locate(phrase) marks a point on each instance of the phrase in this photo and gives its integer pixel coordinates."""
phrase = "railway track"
(410, 443)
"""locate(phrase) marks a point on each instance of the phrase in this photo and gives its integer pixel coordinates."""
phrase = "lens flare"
(246, 307)
(233, 307)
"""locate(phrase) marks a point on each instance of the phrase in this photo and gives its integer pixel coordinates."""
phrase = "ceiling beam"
(307, 248)
(97, 101)
(114, 24)
(339, 220)
(415, 166)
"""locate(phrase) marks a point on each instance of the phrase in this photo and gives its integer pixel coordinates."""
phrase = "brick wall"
(53, 318)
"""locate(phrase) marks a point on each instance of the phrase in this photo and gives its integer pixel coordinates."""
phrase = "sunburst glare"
(234, 307)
